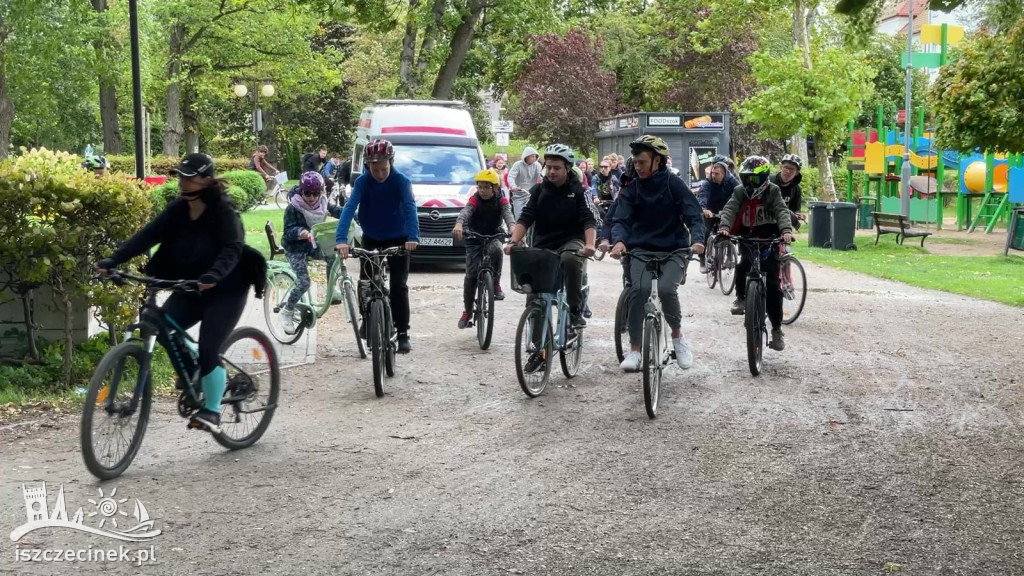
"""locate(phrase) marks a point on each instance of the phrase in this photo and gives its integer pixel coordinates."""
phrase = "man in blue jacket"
(714, 193)
(656, 213)
(387, 214)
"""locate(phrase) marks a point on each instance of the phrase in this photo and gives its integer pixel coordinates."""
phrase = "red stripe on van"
(423, 129)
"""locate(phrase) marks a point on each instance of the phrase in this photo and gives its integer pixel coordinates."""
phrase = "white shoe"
(631, 363)
(287, 318)
(703, 269)
(684, 358)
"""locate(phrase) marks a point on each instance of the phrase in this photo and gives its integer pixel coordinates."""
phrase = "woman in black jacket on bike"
(200, 236)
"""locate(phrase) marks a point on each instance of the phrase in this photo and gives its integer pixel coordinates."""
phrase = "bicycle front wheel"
(112, 429)
(533, 377)
(621, 323)
(353, 316)
(572, 356)
(377, 339)
(754, 322)
(793, 282)
(651, 351)
(389, 340)
(281, 198)
(485, 310)
(253, 385)
(279, 287)
(711, 261)
(728, 258)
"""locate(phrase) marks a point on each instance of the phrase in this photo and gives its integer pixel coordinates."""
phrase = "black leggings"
(218, 314)
(398, 276)
(770, 266)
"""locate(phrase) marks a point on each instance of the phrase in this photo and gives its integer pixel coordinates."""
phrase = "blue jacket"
(657, 213)
(387, 210)
(714, 196)
(606, 226)
(295, 222)
(330, 169)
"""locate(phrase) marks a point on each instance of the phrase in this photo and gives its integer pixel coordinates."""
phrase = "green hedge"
(252, 183)
(160, 165)
(164, 193)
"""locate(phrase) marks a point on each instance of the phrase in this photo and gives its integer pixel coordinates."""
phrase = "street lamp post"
(133, 24)
(266, 89)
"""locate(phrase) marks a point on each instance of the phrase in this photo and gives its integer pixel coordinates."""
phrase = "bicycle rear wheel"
(485, 310)
(794, 289)
(754, 323)
(621, 323)
(652, 368)
(254, 383)
(376, 338)
(281, 197)
(533, 382)
(572, 356)
(727, 268)
(353, 316)
(279, 286)
(111, 431)
(711, 264)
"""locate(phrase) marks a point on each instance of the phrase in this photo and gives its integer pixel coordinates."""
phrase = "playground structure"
(996, 181)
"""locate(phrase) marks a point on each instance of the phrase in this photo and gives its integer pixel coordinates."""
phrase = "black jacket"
(558, 214)
(657, 213)
(207, 249)
(714, 196)
(790, 192)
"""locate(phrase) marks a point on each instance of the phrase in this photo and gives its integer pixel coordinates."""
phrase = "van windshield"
(437, 164)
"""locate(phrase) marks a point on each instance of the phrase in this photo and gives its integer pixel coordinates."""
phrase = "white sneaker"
(684, 358)
(703, 269)
(632, 362)
(287, 318)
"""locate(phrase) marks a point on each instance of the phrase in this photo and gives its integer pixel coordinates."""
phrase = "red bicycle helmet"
(378, 150)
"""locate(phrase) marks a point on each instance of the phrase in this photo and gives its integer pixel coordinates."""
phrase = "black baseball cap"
(195, 164)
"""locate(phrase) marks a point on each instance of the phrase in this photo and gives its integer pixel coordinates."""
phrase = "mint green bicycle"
(340, 289)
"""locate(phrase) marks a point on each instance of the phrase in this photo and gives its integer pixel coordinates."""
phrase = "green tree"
(979, 98)
(883, 56)
(792, 98)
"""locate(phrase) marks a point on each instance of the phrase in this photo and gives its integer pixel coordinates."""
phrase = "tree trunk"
(108, 97)
(28, 306)
(69, 341)
(190, 110)
(801, 35)
(429, 39)
(173, 131)
(828, 185)
(462, 41)
(6, 106)
(406, 71)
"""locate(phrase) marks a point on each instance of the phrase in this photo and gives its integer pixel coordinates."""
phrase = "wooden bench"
(272, 238)
(898, 225)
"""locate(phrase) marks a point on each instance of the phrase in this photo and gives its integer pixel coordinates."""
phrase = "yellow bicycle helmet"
(488, 175)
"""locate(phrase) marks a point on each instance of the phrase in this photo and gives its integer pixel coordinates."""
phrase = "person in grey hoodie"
(525, 174)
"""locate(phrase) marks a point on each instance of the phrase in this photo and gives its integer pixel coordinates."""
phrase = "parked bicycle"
(340, 289)
(756, 312)
(537, 272)
(483, 307)
(655, 348)
(120, 394)
(381, 335)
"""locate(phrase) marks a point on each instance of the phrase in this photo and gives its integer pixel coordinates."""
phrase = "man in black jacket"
(560, 214)
(788, 180)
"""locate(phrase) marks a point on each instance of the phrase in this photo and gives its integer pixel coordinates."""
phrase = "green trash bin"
(865, 206)
(818, 225)
(843, 225)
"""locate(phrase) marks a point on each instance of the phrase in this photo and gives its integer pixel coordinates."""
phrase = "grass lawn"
(991, 278)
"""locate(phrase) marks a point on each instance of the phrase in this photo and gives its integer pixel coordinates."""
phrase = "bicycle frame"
(558, 299)
(652, 308)
(319, 307)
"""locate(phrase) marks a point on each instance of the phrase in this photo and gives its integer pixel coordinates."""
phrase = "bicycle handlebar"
(661, 258)
(393, 251)
(470, 234)
(119, 276)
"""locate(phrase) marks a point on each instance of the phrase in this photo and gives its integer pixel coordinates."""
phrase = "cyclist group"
(647, 210)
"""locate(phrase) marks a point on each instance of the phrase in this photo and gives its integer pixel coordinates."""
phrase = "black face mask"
(192, 196)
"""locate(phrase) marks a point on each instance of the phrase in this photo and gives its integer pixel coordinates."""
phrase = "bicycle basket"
(324, 234)
(535, 271)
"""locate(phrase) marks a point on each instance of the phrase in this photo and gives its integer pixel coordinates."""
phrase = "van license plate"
(437, 241)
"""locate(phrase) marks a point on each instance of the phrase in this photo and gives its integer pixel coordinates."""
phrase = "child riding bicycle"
(306, 209)
(758, 210)
(483, 214)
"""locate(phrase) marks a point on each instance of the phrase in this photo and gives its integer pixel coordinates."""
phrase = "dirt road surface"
(886, 438)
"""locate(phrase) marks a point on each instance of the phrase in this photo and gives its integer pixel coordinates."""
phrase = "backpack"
(254, 269)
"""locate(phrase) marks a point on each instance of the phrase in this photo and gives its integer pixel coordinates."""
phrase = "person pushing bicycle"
(757, 209)
(483, 214)
(655, 212)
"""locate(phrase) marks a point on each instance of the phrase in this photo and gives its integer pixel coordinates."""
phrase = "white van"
(437, 149)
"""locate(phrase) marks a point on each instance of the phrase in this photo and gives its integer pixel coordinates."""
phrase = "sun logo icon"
(107, 507)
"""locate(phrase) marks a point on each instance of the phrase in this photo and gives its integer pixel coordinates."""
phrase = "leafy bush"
(125, 164)
(239, 197)
(252, 183)
(162, 194)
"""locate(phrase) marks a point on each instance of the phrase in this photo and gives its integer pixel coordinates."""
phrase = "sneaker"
(632, 362)
(404, 347)
(498, 294)
(684, 357)
(778, 341)
(586, 311)
(464, 321)
(336, 297)
(287, 319)
(703, 268)
(534, 363)
(205, 420)
(739, 307)
(577, 320)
